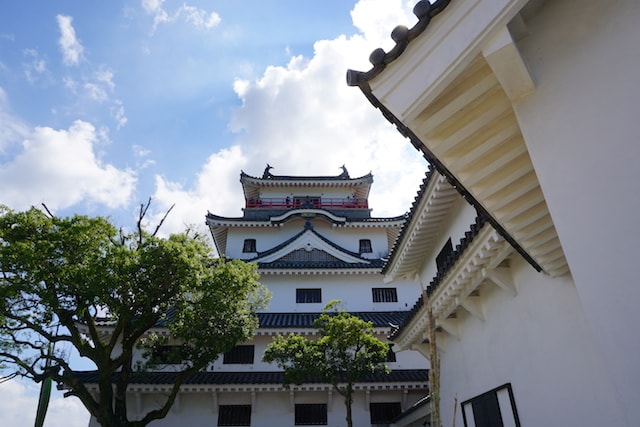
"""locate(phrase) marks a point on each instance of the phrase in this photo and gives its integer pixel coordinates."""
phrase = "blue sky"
(105, 104)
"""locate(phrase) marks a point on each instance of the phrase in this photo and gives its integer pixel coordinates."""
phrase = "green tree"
(63, 280)
(345, 352)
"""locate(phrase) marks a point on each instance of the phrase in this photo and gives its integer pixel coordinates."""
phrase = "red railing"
(323, 203)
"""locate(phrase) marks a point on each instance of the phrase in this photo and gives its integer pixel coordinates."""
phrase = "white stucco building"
(314, 241)
(527, 111)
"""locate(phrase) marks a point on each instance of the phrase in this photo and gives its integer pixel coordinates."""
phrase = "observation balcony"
(307, 202)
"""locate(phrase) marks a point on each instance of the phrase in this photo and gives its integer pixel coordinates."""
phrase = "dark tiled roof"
(366, 262)
(265, 216)
(269, 176)
(374, 263)
(305, 320)
(448, 263)
(424, 10)
(215, 378)
(409, 216)
(419, 404)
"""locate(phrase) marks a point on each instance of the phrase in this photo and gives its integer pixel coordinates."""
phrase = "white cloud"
(199, 18)
(71, 48)
(35, 66)
(304, 119)
(19, 410)
(216, 189)
(117, 112)
(60, 168)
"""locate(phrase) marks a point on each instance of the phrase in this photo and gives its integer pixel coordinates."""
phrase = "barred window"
(166, 355)
(240, 354)
(495, 408)
(385, 294)
(234, 415)
(391, 355)
(382, 413)
(365, 246)
(311, 414)
(249, 245)
(305, 296)
(442, 260)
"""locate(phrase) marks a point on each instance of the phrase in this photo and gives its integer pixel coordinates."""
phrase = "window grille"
(382, 413)
(443, 258)
(365, 246)
(240, 354)
(311, 414)
(385, 294)
(303, 255)
(249, 245)
(234, 415)
(305, 296)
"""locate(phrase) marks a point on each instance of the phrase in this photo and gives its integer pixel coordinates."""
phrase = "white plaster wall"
(581, 126)
(272, 409)
(268, 237)
(539, 342)
(461, 217)
(353, 290)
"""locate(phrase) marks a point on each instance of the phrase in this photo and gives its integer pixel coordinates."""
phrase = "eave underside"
(158, 382)
(472, 130)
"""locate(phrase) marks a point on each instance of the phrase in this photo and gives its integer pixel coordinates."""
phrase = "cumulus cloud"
(216, 189)
(69, 44)
(303, 119)
(60, 168)
(199, 18)
(19, 410)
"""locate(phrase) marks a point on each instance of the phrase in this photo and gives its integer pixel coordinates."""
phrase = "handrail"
(307, 202)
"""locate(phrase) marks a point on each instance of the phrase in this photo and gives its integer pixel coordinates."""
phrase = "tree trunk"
(434, 372)
(348, 400)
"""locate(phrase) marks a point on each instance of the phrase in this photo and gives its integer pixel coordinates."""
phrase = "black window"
(311, 414)
(382, 413)
(166, 354)
(242, 354)
(385, 294)
(249, 245)
(442, 260)
(494, 408)
(234, 415)
(308, 295)
(391, 355)
(365, 246)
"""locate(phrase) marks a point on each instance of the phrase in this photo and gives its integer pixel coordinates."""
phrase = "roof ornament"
(267, 174)
(345, 173)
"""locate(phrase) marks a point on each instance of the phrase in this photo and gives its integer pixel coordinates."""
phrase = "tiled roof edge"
(402, 35)
(253, 377)
(409, 216)
(342, 177)
(475, 228)
(425, 11)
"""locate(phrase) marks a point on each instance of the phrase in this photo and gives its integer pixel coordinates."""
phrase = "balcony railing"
(307, 202)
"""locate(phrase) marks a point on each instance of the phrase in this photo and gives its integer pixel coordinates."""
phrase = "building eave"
(426, 218)
(454, 101)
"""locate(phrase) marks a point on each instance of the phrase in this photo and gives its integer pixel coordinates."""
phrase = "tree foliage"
(345, 352)
(81, 283)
